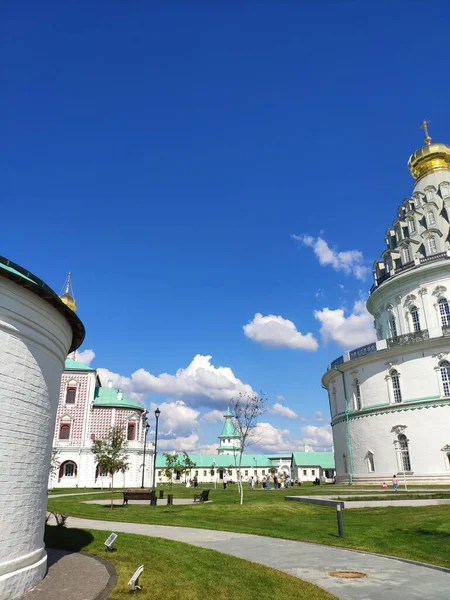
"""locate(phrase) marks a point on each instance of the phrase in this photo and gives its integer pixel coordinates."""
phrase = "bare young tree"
(111, 454)
(246, 410)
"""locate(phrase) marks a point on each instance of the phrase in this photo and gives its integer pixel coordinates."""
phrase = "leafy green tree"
(186, 464)
(111, 456)
(172, 465)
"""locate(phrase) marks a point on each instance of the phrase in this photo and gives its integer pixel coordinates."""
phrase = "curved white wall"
(34, 341)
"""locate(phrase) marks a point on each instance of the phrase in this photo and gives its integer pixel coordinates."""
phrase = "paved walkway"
(73, 576)
(161, 502)
(387, 578)
(50, 496)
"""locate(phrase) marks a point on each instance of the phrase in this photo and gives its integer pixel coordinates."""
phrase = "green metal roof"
(205, 461)
(73, 365)
(314, 459)
(106, 396)
(25, 279)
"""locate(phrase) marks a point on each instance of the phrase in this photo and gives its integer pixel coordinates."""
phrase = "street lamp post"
(153, 500)
(146, 428)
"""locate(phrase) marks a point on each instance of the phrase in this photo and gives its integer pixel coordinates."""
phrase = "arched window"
(432, 248)
(444, 311)
(431, 218)
(68, 469)
(403, 451)
(358, 402)
(131, 431)
(395, 379)
(415, 318)
(71, 392)
(406, 255)
(444, 367)
(370, 462)
(64, 431)
(393, 325)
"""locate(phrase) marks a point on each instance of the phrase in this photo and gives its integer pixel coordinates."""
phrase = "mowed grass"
(174, 570)
(418, 533)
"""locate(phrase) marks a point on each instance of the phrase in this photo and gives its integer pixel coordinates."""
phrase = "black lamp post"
(153, 500)
(147, 427)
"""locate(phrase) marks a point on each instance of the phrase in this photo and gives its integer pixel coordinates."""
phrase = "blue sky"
(167, 153)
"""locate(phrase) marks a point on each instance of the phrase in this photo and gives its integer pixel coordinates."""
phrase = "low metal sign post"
(110, 541)
(134, 581)
(339, 505)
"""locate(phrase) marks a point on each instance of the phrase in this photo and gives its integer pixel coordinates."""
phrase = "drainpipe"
(349, 439)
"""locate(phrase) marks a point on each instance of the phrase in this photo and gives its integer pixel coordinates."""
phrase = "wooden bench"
(136, 495)
(203, 497)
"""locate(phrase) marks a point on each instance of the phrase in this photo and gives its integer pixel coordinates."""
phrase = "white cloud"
(283, 411)
(277, 332)
(180, 444)
(317, 436)
(349, 332)
(348, 261)
(280, 398)
(199, 384)
(213, 416)
(318, 416)
(176, 419)
(85, 357)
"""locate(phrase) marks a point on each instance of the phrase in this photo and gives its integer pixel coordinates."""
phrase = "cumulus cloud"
(277, 332)
(349, 332)
(85, 357)
(271, 440)
(351, 262)
(280, 410)
(317, 436)
(177, 419)
(213, 416)
(180, 444)
(199, 384)
(318, 416)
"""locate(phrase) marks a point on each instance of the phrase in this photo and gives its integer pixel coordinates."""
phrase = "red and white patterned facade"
(87, 411)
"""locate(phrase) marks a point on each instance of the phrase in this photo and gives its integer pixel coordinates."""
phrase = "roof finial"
(66, 291)
(67, 297)
(424, 126)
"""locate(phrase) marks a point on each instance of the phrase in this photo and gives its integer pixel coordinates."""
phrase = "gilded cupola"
(429, 158)
(67, 296)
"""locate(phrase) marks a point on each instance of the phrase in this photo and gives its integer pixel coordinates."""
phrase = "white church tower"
(390, 400)
(229, 438)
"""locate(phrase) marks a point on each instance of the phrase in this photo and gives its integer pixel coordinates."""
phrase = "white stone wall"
(34, 341)
(424, 410)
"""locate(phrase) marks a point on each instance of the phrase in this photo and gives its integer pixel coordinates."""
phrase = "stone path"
(73, 576)
(50, 496)
(387, 578)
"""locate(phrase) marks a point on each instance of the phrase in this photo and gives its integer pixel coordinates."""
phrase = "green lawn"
(175, 570)
(419, 533)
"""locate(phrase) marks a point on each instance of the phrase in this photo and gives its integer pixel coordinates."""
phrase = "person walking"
(225, 481)
(395, 483)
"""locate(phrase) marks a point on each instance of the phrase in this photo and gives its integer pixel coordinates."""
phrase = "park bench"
(203, 497)
(136, 495)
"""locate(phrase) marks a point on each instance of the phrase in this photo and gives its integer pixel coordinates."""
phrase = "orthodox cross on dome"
(67, 297)
(424, 126)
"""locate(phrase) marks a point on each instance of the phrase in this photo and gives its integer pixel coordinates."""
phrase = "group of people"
(394, 484)
(270, 482)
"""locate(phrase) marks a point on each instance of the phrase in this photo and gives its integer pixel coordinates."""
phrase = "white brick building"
(390, 400)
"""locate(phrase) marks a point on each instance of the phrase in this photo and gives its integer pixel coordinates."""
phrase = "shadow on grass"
(67, 539)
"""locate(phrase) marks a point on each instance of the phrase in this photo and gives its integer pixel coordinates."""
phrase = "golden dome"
(429, 158)
(67, 297)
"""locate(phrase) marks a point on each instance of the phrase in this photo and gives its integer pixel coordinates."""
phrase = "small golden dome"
(429, 158)
(67, 297)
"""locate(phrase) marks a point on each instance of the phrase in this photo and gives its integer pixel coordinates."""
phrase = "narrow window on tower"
(431, 218)
(393, 325)
(406, 255)
(432, 248)
(395, 379)
(415, 318)
(444, 367)
(444, 311)
(131, 431)
(358, 402)
(71, 394)
(370, 462)
(411, 226)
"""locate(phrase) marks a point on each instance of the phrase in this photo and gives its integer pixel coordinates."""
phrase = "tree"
(246, 410)
(111, 454)
(186, 464)
(172, 465)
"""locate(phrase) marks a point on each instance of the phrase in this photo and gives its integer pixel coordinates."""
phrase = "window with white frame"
(69, 469)
(432, 247)
(411, 226)
(370, 462)
(395, 380)
(445, 189)
(64, 431)
(444, 367)
(403, 453)
(406, 255)
(358, 402)
(431, 219)
(415, 318)
(393, 325)
(444, 312)
(71, 392)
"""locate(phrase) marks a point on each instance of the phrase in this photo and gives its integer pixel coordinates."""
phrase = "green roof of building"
(25, 279)
(205, 461)
(73, 365)
(314, 459)
(107, 396)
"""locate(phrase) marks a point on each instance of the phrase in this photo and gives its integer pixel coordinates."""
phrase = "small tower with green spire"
(229, 438)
